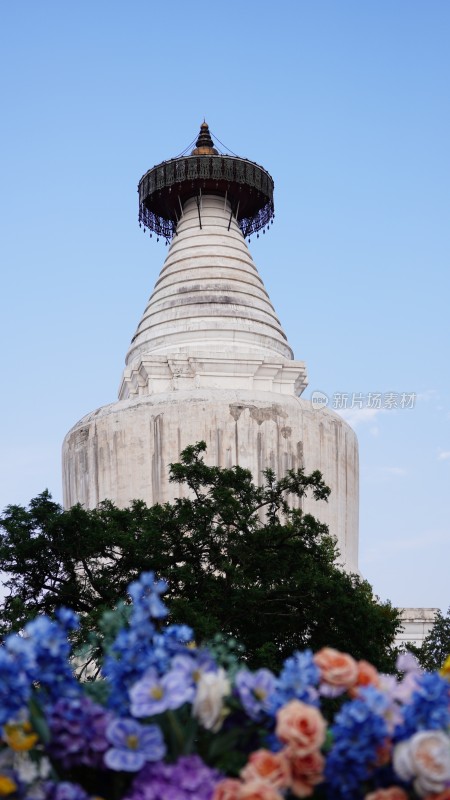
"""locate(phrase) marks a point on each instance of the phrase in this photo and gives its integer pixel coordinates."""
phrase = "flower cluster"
(177, 722)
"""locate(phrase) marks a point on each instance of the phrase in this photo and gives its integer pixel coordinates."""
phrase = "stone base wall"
(122, 451)
(417, 623)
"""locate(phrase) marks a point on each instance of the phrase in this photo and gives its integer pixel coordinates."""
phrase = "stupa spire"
(209, 309)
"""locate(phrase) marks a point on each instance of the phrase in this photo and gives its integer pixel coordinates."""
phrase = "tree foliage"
(239, 559)
(436, 646)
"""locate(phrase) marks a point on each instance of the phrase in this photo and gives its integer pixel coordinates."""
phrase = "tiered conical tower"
(209, 359)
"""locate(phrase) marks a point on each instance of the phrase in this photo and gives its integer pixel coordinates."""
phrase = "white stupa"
(210, 360)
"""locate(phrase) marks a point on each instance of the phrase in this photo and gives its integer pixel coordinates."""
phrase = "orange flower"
(257, 789)
(391, 793)
(271, 767)
(301, 727)
(306, 772)
(337, 669)
(445, 795)
(227, 789)
(367, 676)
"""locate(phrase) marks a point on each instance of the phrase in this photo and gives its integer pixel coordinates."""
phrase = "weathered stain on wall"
(124, 462)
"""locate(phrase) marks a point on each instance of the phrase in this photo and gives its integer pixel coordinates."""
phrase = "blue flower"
(297, 681)
(182, 633)
(129, 657)
(153, 695)
(67, 618)
(428, 708)
(145, 594)
(133, 745)
(21, 652)
(376, 701)
(44, 654)
(14, 687)
(358, 731)
(255, 690)
(140, 647)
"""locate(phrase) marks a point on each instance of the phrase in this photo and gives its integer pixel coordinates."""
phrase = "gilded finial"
(204, 145)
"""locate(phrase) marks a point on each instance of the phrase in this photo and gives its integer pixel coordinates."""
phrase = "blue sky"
(346, 104)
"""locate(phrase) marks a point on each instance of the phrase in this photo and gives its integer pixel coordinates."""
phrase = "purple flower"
(133, 745)
(188, 779)
(194, 665)
(78, 730)
(406, 662)
(254, 690)
(153, 695)
(64, 791)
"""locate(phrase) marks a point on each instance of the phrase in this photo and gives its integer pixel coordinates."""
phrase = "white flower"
(29, 771)
(26, 769)
(44, 767)
(208, 704)
(425, 759)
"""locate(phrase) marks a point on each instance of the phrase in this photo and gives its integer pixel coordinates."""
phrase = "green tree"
(238, 558)
(436, 646)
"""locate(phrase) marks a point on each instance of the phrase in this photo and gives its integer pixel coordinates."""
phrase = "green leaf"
(38, 721)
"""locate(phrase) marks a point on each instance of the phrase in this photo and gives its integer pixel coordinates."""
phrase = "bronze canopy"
(164, 189)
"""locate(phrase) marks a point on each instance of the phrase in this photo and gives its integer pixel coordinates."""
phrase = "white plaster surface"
(211, 362)
(209, 296)
(417, 623)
